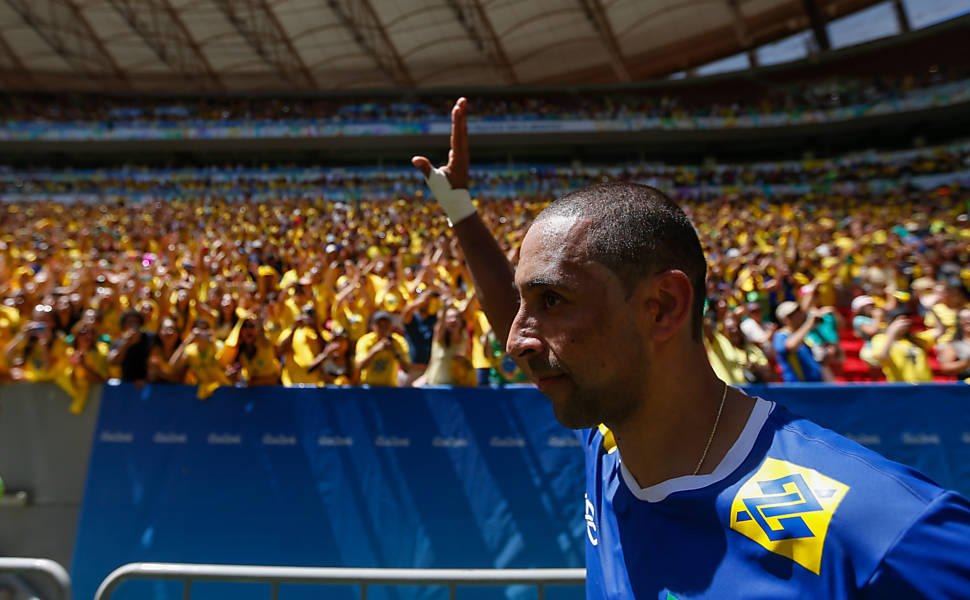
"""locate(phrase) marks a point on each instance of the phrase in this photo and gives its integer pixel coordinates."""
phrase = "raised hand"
(491, 272)
(449, 184)
(458, 159)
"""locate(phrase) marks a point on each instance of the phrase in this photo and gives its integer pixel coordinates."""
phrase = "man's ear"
(667, 299)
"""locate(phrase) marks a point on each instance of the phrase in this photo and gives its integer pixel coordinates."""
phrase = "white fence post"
(40, 566)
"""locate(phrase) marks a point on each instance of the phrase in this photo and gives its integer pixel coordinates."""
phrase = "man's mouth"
(547, 381)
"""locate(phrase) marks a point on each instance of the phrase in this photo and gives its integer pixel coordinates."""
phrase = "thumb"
(423, 164)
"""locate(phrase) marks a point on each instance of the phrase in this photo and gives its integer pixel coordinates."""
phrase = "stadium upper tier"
(871, 172)
(830, 100)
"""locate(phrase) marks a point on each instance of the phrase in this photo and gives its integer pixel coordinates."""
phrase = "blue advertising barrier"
(334, 477)
(436, 478)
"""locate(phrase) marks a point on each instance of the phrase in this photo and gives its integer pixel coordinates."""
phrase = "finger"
(458, 159)
(423, 164)
(460, 119)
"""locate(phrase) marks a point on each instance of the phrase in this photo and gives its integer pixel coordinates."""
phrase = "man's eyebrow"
(542, 282)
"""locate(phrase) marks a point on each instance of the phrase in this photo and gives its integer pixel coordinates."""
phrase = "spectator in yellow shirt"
(199, 354)
(337, 364)
(450, 347)
(381, 352)
(955, 355)
(167, 343)
(300, 346)
(480, 327)
(755, 366)
(900, 353)
(87, 365)
(10, 321)
(942, 317)
(249, 355)
(34, 354)
(725, 359)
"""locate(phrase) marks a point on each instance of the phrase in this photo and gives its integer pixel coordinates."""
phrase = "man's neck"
(668, 435)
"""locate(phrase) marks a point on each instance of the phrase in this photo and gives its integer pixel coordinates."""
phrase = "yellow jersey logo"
(787, 509)
(609, 443)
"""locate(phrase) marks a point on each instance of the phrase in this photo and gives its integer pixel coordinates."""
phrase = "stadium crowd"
(305, 290)
(265, 181)
(726, 100)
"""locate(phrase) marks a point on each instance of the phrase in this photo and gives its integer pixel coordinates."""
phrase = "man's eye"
(550, 299)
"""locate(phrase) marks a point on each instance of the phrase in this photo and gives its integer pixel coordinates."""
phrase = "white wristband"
(457, 203)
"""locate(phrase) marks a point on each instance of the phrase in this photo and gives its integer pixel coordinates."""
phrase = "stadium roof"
(163, 46)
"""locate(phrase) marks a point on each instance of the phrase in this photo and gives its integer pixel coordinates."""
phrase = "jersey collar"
(731, 461)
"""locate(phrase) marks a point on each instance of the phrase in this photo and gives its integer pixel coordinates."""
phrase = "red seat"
(851, 347)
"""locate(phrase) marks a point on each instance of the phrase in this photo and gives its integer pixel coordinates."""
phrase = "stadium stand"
(272, 244)
(233, 230)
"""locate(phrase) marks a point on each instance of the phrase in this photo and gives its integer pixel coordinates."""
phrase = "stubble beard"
(578, 409)
(610, 402)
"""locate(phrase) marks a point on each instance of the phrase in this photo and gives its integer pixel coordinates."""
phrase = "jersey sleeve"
(878, 342)
(931, 559)
(364, 345)
(403, 348)
(778, 342)
(302, 351)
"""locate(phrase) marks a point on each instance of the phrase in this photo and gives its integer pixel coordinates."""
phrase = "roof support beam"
(69, 34)
(14, 73)
(471, 15)
(741, 30)
(904, 25)
(597, 16)
(818, 24)
(258, 25)
(770, 26)
(360, 19)
(159, 25)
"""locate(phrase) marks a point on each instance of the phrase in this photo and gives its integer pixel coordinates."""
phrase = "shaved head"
(636, 231)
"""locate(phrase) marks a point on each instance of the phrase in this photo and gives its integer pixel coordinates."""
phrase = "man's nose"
(523, 337)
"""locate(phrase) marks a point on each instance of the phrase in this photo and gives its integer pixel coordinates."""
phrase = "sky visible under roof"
(875, 22)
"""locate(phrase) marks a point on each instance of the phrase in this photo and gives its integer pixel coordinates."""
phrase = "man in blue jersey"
(693, 488)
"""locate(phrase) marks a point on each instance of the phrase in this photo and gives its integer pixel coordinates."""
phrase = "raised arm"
(490, 270)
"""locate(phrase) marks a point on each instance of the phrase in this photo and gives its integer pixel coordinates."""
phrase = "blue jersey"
(792, 511)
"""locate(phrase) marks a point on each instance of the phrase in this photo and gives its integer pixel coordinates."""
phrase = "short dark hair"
(636, 232)
(899, 311)
(132, 314)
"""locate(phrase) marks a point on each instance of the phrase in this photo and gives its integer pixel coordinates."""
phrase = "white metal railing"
(452, 578)
(39, 566)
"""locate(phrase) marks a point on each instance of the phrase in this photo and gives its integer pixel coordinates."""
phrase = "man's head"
(732, 330)
(863, 305)
(381, 323)
(202, 330)
(249, 329)
(308, 315)
(168, 329)
(955, 294)
(636, 231)
(147, 309)
(904, 315)
(453, 318)
(790, 314)
(608, 276)
(132, 320)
